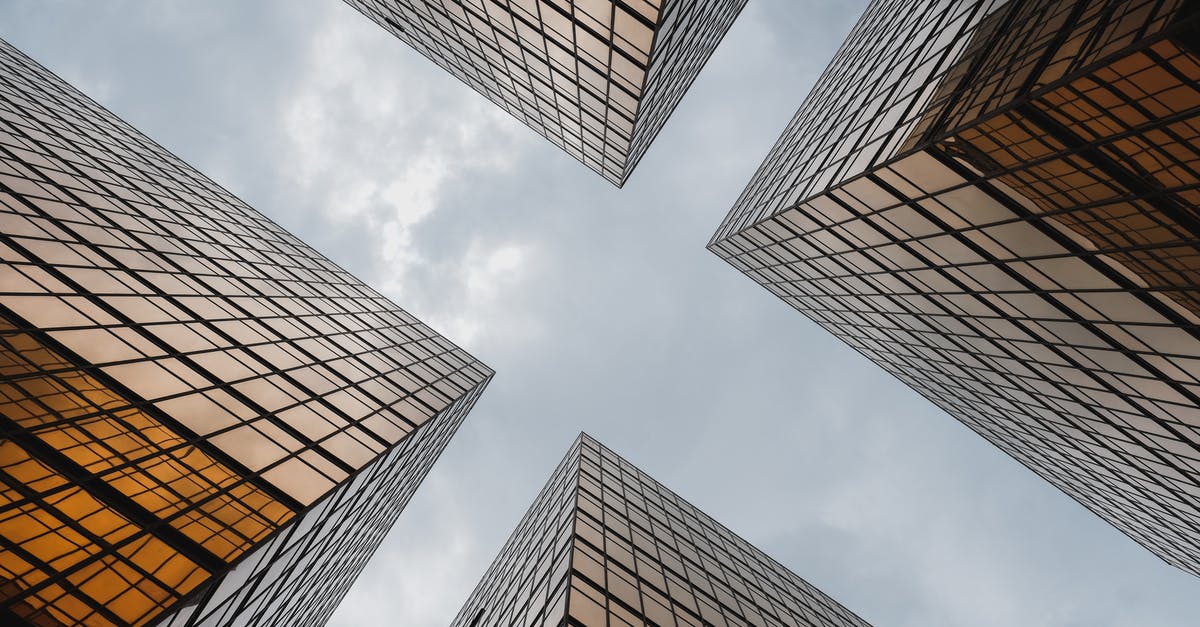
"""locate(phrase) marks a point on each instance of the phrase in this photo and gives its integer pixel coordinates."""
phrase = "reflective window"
(183, 380)
(1021, 244)
(605, 544)
(598, 78)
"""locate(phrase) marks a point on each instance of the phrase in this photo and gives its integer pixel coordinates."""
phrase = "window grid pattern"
(932, 47)
(598, 78)
(300, 576)
(66, 546)
(1144, 223)
(1028, 46)
(860, 108)
(639, 555)
(1033, 272)
(202, 374)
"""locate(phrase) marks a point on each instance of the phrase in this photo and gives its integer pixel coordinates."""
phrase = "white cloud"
(489, 274)
(378, 140)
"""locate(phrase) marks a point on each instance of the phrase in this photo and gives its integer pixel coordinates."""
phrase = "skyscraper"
(606, 544)
(996, 202)
(598, 78)
(204, 421)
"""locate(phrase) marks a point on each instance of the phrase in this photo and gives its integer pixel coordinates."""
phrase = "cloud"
(489, 274)
(374, 143)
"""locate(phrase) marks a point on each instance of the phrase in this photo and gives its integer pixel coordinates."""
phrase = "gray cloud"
(601, 310)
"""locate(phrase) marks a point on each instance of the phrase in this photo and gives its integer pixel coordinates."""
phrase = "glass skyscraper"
(996, 202)
(598, 78)
(606, 544)
(204, 420)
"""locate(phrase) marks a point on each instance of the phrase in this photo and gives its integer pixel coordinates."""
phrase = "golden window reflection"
(1114, 217)
(117, 569)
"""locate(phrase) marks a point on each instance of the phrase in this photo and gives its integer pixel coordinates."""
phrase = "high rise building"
(606, 544)
(598, 78)
(996, 202)
(204, 421)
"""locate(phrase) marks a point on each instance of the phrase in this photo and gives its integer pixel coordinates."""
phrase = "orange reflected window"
(76, 559)
(1083, 198)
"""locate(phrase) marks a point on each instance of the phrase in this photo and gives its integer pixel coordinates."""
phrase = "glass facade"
(598, 78)
(190, 396)
(605, 544)
(1003, 216)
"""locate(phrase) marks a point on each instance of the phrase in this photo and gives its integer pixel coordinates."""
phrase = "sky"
(601, 310)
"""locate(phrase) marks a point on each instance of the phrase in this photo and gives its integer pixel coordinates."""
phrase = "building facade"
(598, 78)
(606, 544)
(204, 420)
(996, 202)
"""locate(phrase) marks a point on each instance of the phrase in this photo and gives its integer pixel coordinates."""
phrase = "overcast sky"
(601, 311)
